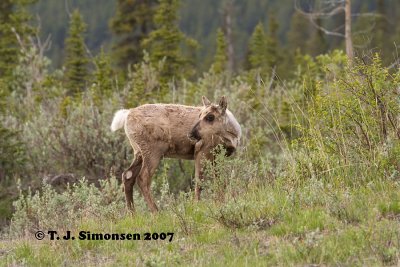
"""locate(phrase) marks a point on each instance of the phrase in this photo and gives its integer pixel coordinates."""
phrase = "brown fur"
(174, 131)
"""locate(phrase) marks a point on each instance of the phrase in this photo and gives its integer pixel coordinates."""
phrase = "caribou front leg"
(198, 157)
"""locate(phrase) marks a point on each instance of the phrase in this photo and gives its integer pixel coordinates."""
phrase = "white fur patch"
(119, 119)
(128, 175)
(234, 123)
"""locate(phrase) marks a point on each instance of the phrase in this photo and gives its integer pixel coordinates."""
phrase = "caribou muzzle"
(194, 133)
(229, 150)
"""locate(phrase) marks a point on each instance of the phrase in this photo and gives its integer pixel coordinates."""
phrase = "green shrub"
(228, 178)
(229, 183)
(80, 142)
(353, 123)
(48, 210)
(391, 207)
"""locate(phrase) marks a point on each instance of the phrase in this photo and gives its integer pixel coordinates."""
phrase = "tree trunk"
(349, 41)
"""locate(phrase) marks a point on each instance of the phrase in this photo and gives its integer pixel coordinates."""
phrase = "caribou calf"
(173, 131)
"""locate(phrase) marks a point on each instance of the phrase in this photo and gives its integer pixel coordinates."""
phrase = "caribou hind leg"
(144, 180)
(129, 178)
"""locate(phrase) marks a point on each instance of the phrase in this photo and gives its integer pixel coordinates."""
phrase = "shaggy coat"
(173, 131)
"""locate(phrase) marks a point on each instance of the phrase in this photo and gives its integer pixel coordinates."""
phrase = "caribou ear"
(206, 102)
(223, 104)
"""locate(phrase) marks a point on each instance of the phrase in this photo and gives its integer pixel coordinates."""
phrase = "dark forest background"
(200, 19)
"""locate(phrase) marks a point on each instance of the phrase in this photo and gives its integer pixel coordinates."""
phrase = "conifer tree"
(298, 33)
(103, 74)
(220, 58)
(317, 43)
(272, 53)
(132, 23)
(258, 48)
(76, 61)
(12, 156)
(395, 38)
(364, 28)
(228, 11)
(381, 33)
(164, 43)
(14, 19)
(8, 50)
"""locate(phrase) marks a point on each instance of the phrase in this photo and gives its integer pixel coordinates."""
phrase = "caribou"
(173, 131)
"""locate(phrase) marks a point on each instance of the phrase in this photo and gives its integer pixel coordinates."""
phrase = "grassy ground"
(267, 225)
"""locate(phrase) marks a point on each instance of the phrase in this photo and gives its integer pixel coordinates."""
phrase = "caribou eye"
(210, 117)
